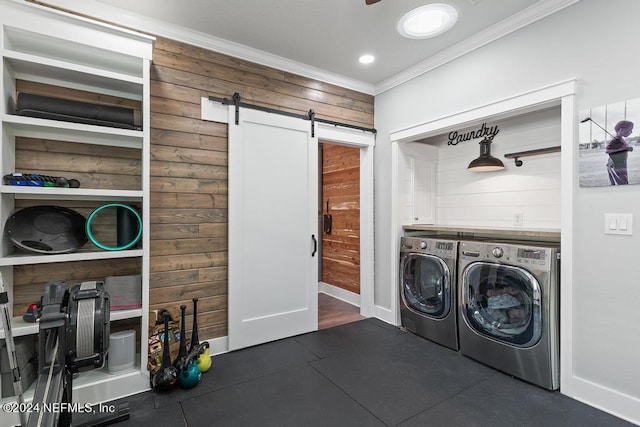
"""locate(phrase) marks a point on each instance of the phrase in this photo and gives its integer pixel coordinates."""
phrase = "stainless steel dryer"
(509, 308)
(427, 288)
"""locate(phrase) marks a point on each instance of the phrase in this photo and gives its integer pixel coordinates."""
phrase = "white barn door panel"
(273, 258)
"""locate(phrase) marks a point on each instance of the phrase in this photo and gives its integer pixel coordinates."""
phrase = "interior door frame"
(365, 141)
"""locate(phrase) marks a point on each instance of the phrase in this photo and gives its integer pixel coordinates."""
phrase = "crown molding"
(156, 27)
(97, 10)
(503, 28)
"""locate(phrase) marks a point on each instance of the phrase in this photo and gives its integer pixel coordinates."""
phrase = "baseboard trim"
(219, 345)
(339, 293)
(385, 315)
(614, 402)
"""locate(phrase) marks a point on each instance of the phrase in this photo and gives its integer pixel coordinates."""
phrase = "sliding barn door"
(273, 202)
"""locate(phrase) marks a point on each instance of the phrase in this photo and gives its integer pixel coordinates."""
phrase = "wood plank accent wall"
(189, 165)
(341, 189)
(189, 192)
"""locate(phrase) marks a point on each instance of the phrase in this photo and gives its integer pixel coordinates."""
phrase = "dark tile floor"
(365, 373)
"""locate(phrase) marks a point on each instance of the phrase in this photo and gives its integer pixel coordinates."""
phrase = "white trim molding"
(213, 111)
(518, 104)
(218, 345)
(386, 315)
(562, 94)
(608, 400)
(365, 141)
(342, 135)
(102, 11)
(503, 28)
(171, 31)
(339, 293)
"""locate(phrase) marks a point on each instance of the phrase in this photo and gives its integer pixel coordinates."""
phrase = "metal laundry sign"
(482, 132)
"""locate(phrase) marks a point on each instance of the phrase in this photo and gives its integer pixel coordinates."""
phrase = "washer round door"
(502, 302)
(426, 284)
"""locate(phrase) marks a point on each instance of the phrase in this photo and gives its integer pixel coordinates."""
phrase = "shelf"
(55, 54)
(132, 378)
(125, 314)
(21, 328)
(27, 259)
(30, 67)
(75, 50)
(55, 193)
(32, 127)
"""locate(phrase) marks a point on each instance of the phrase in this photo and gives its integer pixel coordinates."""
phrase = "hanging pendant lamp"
(486, 162)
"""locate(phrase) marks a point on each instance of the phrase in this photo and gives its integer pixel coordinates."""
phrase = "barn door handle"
(315, 245)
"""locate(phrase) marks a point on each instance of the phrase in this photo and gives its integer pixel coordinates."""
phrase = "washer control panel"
(516, 254)
(426, 245)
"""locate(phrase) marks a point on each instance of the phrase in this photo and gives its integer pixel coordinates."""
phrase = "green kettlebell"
(190, 375)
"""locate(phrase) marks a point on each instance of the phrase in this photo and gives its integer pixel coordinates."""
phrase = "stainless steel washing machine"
(428, 288)
(509, 308)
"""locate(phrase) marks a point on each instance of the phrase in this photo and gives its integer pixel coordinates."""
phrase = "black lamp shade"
(486, 162)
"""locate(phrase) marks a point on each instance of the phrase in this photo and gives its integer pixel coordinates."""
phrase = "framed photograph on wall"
(609, 144)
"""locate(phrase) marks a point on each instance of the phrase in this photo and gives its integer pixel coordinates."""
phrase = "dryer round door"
(426, 284)
(502, 302)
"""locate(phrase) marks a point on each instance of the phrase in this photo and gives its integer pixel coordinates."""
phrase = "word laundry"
(483, 132)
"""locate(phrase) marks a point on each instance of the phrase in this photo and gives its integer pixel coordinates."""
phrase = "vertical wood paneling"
(189, 189)
(341, 189)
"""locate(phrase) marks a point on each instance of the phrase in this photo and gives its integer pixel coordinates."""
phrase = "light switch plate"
(618, 224)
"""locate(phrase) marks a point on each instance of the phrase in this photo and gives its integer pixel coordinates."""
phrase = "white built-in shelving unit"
(45, 46)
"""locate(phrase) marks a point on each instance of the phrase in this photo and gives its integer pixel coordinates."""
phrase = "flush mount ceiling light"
(486, 162)
(366, 59)
(427, 21)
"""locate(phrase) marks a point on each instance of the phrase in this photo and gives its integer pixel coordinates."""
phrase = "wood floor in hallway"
(333, 312)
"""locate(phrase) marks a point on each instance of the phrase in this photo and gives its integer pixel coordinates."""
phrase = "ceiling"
(324, 38)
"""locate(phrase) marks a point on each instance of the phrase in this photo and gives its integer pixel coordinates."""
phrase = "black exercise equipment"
(166, 379)
(11, 349)
(188, 372)
(47, 230)
(36, 180)
(202, 350)
(33, 313)
(47, 107)
(73, 335)
(181, 360)
(195, 342)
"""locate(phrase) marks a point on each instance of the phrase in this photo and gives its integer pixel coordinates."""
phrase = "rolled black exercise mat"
(46, 107)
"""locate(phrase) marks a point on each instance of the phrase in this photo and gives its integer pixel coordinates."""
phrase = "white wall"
(493, 198)
(597, 43)
(410, 157)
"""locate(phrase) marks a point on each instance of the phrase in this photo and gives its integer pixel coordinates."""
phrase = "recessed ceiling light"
(427, 21)
(366, 59)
